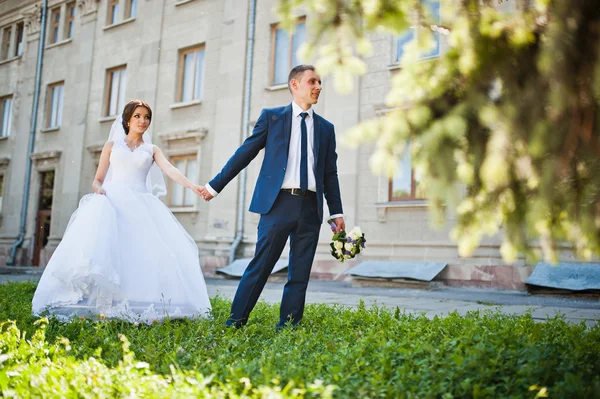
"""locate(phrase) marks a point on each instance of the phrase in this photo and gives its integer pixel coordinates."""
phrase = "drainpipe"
(241, 210)
(34, 112)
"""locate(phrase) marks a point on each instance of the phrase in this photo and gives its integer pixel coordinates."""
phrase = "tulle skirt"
(124, 255)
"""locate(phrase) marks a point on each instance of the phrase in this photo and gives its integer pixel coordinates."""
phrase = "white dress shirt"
(292, 171)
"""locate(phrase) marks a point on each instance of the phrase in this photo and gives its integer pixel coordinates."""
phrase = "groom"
(299, 168)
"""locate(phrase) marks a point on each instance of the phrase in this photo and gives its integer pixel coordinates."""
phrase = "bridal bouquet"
(346, 246)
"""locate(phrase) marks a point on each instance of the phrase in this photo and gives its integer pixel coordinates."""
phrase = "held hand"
(203, 192)
(339, 225)
(198, 190)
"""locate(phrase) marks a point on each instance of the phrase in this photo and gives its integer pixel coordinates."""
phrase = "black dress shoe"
(235, 323)
(288, 325)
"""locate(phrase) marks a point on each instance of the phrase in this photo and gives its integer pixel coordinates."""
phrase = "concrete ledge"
(486, 276)
(418, 275)
(422, 271)
(238, 267)
(21, 270)
(396, 283)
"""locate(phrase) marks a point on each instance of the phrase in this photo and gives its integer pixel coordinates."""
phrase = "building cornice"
(87, 6)
(25, 4)
(197, 134)
(45, 155)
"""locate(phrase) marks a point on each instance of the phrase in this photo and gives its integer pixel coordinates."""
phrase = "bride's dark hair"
(128, 112)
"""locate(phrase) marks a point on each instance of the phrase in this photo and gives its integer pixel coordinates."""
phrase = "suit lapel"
(317, 137)
(287, 127)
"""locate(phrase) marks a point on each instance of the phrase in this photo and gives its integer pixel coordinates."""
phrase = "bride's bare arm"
(102, 168)
(173, 172)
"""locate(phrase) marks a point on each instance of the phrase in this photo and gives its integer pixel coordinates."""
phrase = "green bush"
(362, 352)
(36, 369)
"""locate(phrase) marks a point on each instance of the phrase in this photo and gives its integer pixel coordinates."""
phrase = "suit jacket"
(272, 132)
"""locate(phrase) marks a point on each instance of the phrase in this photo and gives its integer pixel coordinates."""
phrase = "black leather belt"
(297, 191)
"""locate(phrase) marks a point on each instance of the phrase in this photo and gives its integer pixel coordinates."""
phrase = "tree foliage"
(504, 125)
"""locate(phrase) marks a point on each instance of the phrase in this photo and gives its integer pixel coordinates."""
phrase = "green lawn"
(339, 352)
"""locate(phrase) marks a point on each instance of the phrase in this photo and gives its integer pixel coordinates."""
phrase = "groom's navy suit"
(283, 213)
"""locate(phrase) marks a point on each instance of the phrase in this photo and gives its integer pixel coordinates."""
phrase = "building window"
(130, 9)
(118, 9)
(434, 9)
(113, 12)
(54, 106)
(180, 196)
(116, 80)
(11, 46)
(5, 115)
(405, 185)
(19, 37)
(191, 74)
(6, 35)
(70, 20)
(284, 51)
(54, 24)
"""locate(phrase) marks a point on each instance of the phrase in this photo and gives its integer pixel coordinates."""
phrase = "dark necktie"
(303, 153)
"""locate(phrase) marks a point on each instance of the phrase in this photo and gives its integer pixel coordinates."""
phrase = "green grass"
(374, 352)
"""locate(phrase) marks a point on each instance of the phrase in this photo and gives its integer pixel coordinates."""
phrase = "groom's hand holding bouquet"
(344, 245)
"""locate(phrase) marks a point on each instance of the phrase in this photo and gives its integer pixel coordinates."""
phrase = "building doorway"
(44, 215)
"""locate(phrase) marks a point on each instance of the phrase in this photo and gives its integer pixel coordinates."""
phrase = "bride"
(124, 255)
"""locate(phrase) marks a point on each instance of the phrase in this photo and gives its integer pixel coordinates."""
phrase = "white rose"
(356, 232)
(348, 246)
(338, 245)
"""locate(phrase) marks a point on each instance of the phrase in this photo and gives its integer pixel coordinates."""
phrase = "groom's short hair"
(296, 72)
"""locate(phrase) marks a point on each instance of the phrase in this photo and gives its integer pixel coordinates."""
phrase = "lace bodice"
(131, 167)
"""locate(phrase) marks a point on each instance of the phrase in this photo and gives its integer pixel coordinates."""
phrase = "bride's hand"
(98, 189)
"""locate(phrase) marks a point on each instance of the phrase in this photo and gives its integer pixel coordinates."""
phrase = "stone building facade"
(187, 58)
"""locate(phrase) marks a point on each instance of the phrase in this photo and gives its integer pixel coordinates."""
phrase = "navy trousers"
(291, 216)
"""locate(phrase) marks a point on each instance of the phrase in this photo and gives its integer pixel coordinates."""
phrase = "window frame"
(6, 42)
(108, 87)
(413, 190)
(130, 10)
(112, 14)
(274, 28)
(54, 36)
(413, 182)
(19, 33)
(414, 32)
(3, 101)
(181, 73)
(49, 103)
(171, 183)
(69, 28)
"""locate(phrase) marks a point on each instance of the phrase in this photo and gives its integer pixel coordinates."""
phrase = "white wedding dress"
(124, 255)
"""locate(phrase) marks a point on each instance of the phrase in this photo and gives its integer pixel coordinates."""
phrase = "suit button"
(284, 169)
